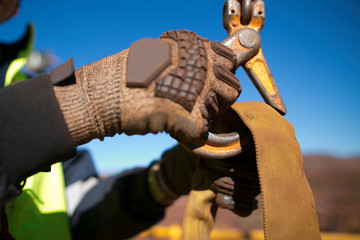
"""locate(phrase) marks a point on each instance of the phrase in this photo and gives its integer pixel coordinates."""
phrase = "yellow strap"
(199, 215)
(288, 204)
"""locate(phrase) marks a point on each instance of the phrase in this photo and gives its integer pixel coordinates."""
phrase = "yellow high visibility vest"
(40, 211)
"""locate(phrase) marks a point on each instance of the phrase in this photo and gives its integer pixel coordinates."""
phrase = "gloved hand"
(238, 190)
(173, 84)
(237, 182)
(234, 180)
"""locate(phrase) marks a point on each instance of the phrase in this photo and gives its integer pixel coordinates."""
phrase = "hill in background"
(336, 187)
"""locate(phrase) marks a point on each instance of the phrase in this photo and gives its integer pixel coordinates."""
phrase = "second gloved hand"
(174, 84)
(234, 180)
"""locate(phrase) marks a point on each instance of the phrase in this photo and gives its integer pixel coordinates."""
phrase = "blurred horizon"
(311, 48)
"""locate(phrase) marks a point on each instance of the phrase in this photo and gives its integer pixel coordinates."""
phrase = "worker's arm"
(174, 84)
(117, 207)
(126, 204)
(33, 133)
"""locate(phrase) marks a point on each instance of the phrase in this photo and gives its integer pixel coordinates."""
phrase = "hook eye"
(246, 9)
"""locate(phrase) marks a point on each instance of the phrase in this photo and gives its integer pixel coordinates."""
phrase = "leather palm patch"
(147, 59)
(184, 83)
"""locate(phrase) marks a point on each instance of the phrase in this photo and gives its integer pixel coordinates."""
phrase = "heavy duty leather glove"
(234, 180)
(173, 84)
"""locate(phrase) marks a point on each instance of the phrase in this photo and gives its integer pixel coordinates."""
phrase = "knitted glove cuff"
(158, 187)
(91, 107)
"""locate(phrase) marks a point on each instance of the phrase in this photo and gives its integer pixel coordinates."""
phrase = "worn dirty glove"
(234, 180)
(173, 84)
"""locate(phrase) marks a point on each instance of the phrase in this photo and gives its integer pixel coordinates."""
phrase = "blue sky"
(312, 48)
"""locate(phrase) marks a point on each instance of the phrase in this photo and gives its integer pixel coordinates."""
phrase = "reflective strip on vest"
(40, 211)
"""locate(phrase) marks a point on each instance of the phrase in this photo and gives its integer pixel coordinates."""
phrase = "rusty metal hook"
(243, 22)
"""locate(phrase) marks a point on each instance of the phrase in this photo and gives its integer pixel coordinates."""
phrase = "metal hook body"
(243, 21)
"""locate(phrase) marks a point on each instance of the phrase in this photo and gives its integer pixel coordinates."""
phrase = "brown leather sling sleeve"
(288, 204)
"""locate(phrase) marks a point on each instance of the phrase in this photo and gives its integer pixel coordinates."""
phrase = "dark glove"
(239, 189)
(173, 84)
(234, 180)
(172, 175)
